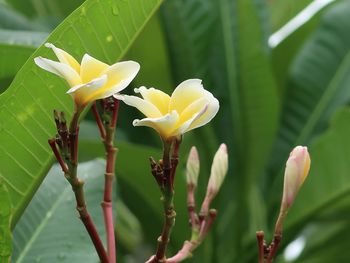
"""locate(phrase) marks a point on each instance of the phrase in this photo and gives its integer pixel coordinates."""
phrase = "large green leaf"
(5, 222)
(318, 85)
(50, 230)
(104, 29)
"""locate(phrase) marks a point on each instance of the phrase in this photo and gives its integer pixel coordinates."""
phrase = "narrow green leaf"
(254, 109)
(284, 53)
(104, 29)
(284, 10)
(5, 221)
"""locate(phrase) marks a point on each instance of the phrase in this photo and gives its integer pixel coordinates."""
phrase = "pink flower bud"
(218, 170)
(192, 167)
(297, 169)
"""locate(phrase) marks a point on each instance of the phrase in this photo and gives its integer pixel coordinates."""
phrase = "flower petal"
(60, 69)
(147, 108)
(192, 109)
(91, 68)
(185, 93)
(184, 126)
(163, 125)
(156, 97)
(64, 57)
(119, 77)
(92, 85)
(207, 116)
(83, 93)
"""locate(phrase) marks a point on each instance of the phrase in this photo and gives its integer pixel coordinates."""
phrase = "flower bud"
(192, 167)
(297, 169)
(218, 170)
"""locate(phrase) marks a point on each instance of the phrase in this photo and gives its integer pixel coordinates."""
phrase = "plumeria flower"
(92, 79)
(190, 106)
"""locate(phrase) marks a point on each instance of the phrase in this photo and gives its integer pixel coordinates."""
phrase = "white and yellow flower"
(190, 106)
(92, 79)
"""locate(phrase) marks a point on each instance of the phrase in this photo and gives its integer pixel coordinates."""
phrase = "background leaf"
(5, 221)
(285, 52)
(103, 29)
(283, 11)
(10, 19)
(15, 49)
(50, 230)
(34, 8)
(316, 89)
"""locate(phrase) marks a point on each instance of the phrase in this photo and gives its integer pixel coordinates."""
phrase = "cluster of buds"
(297, 169)
(62, 140)
(201, 222)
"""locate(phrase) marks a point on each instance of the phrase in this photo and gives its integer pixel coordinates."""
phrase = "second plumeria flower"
(92, 79)
(190, 106)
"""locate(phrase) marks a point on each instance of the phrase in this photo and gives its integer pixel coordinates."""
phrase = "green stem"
(168, 203)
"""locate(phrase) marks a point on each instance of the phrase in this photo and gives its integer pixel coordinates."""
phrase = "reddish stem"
(58, 156)
(77, 186)
(191, 205)
(107, 204)
(261, 249)
(108, 138)
(98, 121)
(85, 217)
(183, 253)
(109, 226)
(273, 248)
